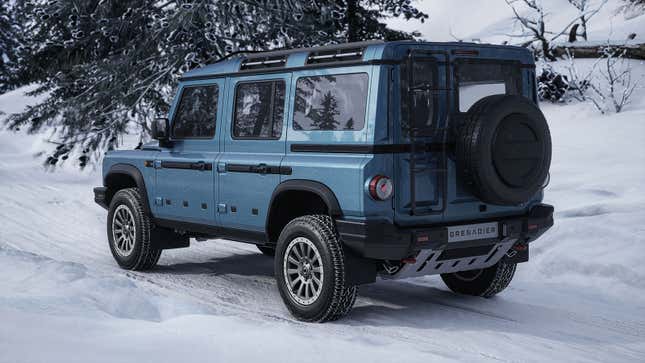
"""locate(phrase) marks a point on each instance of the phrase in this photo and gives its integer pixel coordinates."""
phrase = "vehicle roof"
(371, 51)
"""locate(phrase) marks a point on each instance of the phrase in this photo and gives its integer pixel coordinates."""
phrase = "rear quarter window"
(331, 102)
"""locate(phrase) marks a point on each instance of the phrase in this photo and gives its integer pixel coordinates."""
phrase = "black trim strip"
(259, 169)
(369, 149)
(186, 165)
(213, 231)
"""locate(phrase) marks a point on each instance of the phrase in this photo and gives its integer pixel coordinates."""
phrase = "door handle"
(260, 169)
(200, 165)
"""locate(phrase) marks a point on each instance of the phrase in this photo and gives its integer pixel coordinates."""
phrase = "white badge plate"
(473, 232)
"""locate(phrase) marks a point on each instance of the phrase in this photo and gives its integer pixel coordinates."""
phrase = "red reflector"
(465, 52)
(520, 247)
(409, 260)
(423, 239)
(533, 226)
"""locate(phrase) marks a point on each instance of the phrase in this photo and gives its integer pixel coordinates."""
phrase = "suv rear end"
(469, 157)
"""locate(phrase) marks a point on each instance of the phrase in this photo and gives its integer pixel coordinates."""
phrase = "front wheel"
(129, 229)
(310, 270)
(486, 282)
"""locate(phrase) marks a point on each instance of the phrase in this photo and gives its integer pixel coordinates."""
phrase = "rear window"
(478, 79)
(331, 102)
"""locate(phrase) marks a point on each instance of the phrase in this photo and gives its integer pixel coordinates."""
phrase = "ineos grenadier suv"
(345, 163)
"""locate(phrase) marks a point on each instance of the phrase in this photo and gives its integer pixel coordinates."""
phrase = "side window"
(259, 110)
(335, 102)
(196, 114)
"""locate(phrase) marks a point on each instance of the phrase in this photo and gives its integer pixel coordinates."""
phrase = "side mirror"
(160, 129)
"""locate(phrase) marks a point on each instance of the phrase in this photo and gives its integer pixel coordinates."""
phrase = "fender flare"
(328, 197)
(320, 189)
(133, 172)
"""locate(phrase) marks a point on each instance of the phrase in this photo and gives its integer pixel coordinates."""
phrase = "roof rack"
(264, 62)
(335, 55)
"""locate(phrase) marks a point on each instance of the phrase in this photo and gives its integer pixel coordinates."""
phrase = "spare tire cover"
(503, 150)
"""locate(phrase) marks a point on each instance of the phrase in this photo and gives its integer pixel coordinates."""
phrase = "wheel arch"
(121, 176)
(303, 197)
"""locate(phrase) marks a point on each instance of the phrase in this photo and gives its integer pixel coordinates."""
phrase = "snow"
(580, 298)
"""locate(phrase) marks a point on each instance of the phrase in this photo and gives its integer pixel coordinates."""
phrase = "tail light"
(381, 187)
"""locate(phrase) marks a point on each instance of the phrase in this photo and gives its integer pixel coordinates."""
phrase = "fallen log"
(634, 51)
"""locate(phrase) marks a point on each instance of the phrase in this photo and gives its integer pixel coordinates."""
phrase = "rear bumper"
(100, 196)
(380, 239)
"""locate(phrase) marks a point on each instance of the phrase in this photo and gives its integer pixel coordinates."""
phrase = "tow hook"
(518, 253)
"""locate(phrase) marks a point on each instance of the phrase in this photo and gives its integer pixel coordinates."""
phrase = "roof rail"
(335, 55)
(264, 62)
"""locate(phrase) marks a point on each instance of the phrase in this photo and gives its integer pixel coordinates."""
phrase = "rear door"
(474, 79)
(185, 182)
(254, 146)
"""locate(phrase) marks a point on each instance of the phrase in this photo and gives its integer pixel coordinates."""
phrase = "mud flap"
(358, 270)
(166, 239)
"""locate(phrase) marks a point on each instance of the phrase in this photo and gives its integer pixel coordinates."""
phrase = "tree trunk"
(353, 25)
(583, 24)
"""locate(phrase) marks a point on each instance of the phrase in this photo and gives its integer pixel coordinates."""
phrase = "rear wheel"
(310, 270)
(129, 228)
(486, 282)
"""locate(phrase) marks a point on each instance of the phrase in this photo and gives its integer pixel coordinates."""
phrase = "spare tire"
(503, 150)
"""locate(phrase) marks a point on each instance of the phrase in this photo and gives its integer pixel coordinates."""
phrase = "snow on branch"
(531, 15)
(608, 84)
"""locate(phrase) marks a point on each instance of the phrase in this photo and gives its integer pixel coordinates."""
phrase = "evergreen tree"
(363, 19)
(8, 47)
(326, 115)
(349, 125)
(108, 67)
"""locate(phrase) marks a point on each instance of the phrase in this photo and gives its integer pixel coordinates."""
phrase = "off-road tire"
(143, 256)
(267, 251)
(336, 299)
(489, 282)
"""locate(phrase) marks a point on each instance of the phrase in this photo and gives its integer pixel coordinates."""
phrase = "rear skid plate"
(433, 262)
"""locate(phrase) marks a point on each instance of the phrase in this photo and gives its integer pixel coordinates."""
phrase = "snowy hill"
(580, 298)
(492, 21)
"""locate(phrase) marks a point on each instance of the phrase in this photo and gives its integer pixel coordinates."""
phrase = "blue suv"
(345, 162)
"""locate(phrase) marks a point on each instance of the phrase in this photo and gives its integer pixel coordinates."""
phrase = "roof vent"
(335, 55)
(264, 62)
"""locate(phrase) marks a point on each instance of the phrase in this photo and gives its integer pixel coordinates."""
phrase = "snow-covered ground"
(580, 298)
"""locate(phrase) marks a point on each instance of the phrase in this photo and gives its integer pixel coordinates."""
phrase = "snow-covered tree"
(9, 42)
(532, 15)
(107, 67)
(586, 11)
(619, 85)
